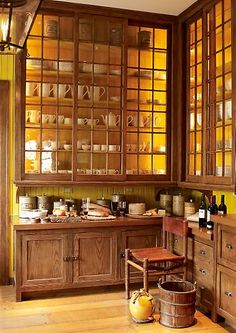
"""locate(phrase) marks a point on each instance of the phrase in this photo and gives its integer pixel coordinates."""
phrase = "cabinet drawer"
(203, 275)
(227, 246)
(226, 291)
(203, 254)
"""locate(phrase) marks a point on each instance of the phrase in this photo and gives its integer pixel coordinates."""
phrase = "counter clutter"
(39, 210)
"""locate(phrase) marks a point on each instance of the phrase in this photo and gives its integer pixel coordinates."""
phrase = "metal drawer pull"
(228, 293)
(229, 246)
(74, 258)
(203, 253)
(201, 270)
(176, 240)
(66, 258)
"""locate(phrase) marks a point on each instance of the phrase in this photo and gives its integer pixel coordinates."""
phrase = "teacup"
(132, 120)
(96, 147)
(49, 90)
(65, 66)
(60, 119)
(65, 91)
(145, 121)
(86, 147)
(112, 147)
(84, 91)
(98, 92)
(32, 89)
(45, 118)
(91, 122)
(81, 121)
(113, 171)
(33, 116)
(67, 121)
(51, 118)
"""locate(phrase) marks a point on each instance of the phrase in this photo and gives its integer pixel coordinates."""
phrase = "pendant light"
(16, 19)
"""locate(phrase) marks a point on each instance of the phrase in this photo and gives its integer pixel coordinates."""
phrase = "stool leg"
(145, 275)
(127, 274)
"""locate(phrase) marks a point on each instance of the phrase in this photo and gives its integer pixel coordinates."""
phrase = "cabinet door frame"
(57, 282)
(97, 236)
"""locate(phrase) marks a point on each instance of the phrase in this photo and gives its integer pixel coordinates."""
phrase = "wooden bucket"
(177, 303)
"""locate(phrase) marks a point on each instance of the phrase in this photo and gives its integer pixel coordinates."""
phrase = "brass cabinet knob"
(228, 293)
(66, 258)
(229, 246)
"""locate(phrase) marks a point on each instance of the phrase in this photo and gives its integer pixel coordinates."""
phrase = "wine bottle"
(202, 213)
(212, 210)
(222, 210)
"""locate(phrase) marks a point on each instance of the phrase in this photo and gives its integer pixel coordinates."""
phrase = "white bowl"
(37, 213)
(68, 147)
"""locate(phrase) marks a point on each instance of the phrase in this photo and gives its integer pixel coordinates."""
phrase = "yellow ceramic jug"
(141, 306)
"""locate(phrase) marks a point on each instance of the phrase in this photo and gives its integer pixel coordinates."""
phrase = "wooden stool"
(159, 261)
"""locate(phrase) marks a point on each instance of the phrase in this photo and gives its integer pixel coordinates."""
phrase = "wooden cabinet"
(95, 99)
(226, 272)
(210, 130)
(69, 256)
(203, 269)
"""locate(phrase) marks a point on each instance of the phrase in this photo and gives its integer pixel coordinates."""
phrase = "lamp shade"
(16, 19)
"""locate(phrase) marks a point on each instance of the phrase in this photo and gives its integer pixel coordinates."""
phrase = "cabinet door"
(95, 257)
(134, 239)
(209, 96)
(49, 91)
(203, 273)
(99, 97)
(226, 292)
(147, 140)
(43, 260)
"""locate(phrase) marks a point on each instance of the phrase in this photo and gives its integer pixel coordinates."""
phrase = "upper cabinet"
(210, 130)
(147, 101)
(95, 100)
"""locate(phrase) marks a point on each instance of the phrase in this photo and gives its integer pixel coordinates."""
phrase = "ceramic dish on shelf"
(115, 71)
(154, 101)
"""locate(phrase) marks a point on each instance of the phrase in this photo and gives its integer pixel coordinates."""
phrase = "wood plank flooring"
(101, 311)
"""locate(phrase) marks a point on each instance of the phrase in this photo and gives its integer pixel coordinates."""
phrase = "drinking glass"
(85, 205)
(122, 205)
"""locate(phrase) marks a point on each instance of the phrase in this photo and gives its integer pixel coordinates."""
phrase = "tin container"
(166, 202)
(178, 205)
(44, 202)
(189, 209)
(26, 203)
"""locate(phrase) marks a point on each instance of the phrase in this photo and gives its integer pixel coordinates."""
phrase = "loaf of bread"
(99, 208)
(98, 213)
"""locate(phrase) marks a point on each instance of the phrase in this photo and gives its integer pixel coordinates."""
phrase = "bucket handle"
(195, 285)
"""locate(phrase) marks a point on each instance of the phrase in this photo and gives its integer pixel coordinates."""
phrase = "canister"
(44, 202)
(166, 202)
(137, 208)
(178, 205)
(189, 208)
(26, 203)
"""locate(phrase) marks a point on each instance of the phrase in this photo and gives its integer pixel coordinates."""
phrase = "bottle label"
(220, 212)
(202, 213)
(208, 216)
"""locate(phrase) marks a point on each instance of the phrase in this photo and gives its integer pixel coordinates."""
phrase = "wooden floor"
(98, 312)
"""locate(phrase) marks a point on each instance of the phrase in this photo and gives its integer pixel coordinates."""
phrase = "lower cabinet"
(71, 258)
(133, 239)
(203, 273)
(226, 272)
(200, 267)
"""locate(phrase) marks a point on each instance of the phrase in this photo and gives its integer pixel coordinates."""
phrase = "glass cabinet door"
(99, 96)
(49, 96)
(146, 116)
(209, 95)
(195, 101)
(219, 91)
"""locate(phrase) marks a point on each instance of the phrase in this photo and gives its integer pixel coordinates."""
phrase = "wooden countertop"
(229, 220)
(119, 222)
